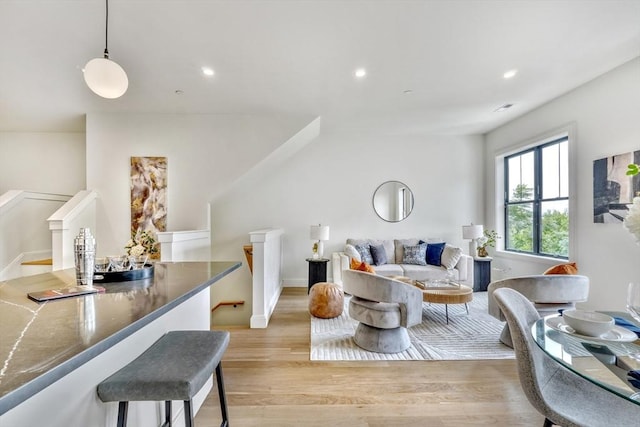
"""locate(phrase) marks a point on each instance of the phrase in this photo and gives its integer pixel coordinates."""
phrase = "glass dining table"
(605, 361)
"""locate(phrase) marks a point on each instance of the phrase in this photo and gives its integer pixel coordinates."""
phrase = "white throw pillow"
(352, 253)
(450, 256)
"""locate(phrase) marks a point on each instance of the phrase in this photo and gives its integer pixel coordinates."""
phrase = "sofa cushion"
(434, 253)
(428, 272)
(352, 253)
(568, 268)
(450, 256)
(388, 270)
(415, 254)
(399, 248)
(378, 254)
(389, 247)
(361, 266)
(365, 253)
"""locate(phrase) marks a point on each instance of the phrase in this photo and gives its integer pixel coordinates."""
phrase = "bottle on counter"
(85, 257)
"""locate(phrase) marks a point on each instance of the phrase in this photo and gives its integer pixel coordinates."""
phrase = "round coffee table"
(448, 295)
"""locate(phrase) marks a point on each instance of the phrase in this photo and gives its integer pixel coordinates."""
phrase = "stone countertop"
(42, 342)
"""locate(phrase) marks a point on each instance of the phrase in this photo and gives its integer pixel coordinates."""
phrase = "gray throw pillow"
(378, 254)
(365, 253)
(416, 255)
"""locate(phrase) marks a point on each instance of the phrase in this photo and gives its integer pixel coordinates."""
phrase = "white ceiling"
(298, 57)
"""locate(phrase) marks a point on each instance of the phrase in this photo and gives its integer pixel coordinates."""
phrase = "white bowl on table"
(589, 323)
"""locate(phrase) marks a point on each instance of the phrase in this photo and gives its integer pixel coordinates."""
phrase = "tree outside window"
(537, 200)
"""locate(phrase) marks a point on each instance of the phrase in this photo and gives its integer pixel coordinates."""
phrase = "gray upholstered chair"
(385, 309)
(563, 397)
(548, 293)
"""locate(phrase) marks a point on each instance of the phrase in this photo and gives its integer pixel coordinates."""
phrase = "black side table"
(317, 271)
(481, 273)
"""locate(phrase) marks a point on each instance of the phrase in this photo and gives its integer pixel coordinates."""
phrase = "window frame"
(537, 200)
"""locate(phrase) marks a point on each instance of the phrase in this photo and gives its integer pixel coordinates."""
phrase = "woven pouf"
(326, 300)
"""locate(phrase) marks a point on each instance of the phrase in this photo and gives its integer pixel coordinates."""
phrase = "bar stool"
(174, 368)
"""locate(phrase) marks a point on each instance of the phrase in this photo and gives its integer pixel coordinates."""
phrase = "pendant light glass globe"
(106, 78)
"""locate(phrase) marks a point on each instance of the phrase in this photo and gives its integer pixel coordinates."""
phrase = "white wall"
(331, 181)
(42, 162)
(205, 153)
(606, 116)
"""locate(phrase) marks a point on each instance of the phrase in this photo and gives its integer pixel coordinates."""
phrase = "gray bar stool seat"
(174, 368)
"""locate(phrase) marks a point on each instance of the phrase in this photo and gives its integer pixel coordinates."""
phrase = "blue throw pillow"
(434, 253)
(415, 255)
(365, 253)
(378, 254)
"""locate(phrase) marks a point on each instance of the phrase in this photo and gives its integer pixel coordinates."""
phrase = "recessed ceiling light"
(509, 74)
(360, 73)
(207, 71)
(502, 108)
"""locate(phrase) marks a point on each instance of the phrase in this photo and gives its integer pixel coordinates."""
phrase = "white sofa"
(394, 249)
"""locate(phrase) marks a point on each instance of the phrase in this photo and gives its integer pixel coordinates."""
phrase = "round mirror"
(393, 201)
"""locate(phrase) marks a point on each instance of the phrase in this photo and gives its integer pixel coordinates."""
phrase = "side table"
(317, 271)
(481, 273)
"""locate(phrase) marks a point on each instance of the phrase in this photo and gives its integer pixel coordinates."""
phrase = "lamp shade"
(106, 78)
(319, 232)
(472, 231)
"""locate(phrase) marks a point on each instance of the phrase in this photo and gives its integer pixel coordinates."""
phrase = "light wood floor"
(270, 381)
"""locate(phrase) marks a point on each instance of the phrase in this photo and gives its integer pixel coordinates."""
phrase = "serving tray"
(124, 276)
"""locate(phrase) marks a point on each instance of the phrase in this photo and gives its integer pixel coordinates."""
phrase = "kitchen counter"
(43, 342)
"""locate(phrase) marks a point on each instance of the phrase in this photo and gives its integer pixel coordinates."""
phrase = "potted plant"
(489, 239)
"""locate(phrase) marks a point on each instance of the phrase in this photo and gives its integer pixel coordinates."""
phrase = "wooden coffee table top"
(447, 295)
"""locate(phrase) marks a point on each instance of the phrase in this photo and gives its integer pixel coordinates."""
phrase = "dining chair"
(548, 293)
(563, 397)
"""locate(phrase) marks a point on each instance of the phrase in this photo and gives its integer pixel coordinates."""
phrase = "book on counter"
(73, 291)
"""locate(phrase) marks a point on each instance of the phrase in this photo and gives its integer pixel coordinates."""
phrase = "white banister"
(190, 245)
(267, 274)
(65, 224)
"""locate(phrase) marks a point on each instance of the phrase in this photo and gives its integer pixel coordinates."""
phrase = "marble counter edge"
(27, 390)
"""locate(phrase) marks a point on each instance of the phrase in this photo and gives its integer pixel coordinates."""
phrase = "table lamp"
(472, 232)
(319, 233)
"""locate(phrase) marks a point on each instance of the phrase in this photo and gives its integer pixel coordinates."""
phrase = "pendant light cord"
(106, 30)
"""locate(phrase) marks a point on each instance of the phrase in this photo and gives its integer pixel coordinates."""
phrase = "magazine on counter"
(53, 294)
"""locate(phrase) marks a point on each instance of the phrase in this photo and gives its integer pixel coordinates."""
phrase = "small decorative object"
(117, 262)
(488, 239)
(320, 233)
(315, 250)
(84, 246)
(137, 261)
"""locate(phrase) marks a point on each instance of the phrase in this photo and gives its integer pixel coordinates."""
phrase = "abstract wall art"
(149, 196)
(613, 189)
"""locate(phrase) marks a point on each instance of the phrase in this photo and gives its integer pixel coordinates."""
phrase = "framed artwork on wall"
(613, 189)
(149, 197)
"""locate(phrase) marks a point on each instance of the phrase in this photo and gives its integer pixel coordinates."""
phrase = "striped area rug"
(473, 336)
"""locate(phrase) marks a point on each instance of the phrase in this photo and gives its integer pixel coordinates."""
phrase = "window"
(537, 200)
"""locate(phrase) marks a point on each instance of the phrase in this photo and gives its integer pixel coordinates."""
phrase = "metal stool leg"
(188, 413)
(467, 307)
(446, 310)
(123, 408)
(167, 414)
(222, 396)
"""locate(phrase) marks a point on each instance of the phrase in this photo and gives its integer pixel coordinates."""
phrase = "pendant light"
(103, 76)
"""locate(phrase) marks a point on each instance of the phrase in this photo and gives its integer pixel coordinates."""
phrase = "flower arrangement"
(142, 242)
(632, 220)
(489, 239)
